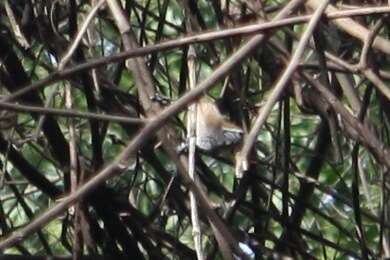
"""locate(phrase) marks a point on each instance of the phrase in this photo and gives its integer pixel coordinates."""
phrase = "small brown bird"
(213, 130)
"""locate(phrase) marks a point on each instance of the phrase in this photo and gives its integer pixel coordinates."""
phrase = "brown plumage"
(213, 130)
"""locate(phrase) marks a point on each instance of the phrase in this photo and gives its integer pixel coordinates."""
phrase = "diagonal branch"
(242, 163)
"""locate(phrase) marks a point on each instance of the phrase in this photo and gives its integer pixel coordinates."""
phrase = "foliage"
(316, 186)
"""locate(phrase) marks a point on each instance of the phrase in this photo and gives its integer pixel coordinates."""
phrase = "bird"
(213, 130)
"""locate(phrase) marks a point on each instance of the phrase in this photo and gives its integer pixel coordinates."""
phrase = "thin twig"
(70, 113)
(77, 247)
(79, 35)
(91, 37)
(191, 132)
(364, 65)
(191, 126)
(19, 36)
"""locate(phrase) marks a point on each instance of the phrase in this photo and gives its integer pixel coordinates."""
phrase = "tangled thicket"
(89, 139)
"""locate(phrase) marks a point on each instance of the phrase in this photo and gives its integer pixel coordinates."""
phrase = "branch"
(70, 113)
(68, 55)
(191, 131)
